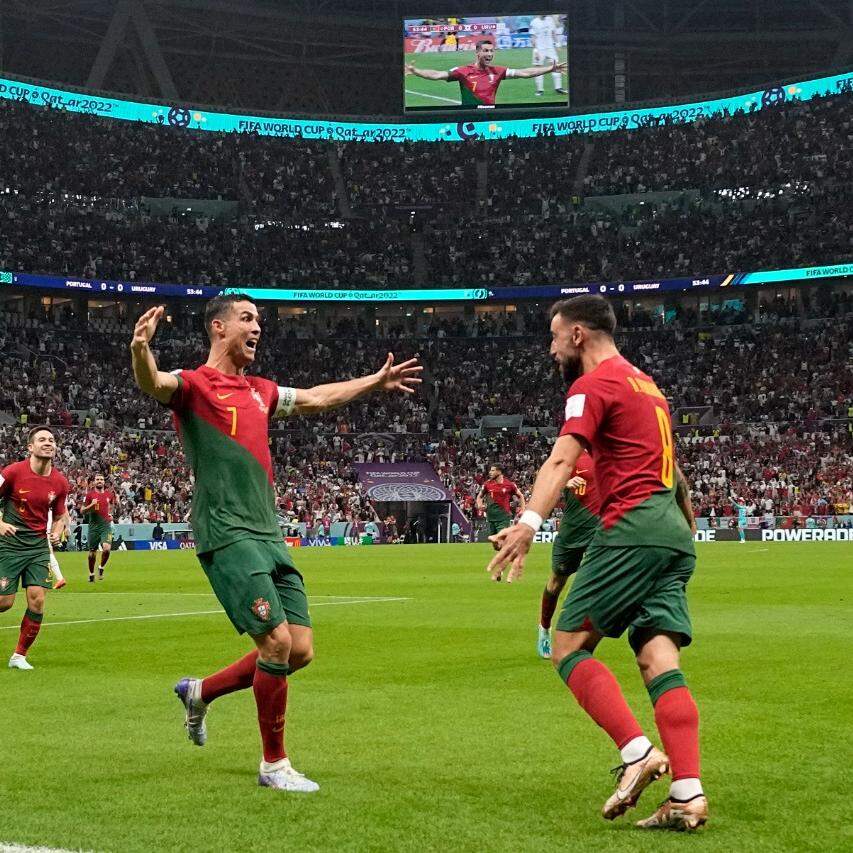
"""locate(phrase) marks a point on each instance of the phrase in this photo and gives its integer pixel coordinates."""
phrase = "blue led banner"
(112, 289)
(187, 116)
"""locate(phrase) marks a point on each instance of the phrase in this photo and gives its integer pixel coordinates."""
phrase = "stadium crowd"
(762, 409)
(761, 190)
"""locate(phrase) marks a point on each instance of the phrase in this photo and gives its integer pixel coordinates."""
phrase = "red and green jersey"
(102, 512)
(618, 412)
(500, 494)
(582, 506)
(27, 499)
(478, 86)
(223, 422)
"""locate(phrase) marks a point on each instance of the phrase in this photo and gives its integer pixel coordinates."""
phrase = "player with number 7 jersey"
(222, 415)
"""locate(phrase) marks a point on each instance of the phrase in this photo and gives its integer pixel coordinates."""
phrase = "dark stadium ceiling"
(345, 56)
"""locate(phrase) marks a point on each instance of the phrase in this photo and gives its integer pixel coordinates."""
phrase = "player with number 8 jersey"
(635, 571)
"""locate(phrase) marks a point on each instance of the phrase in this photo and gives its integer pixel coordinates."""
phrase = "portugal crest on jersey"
(4, 582)
(261, 608)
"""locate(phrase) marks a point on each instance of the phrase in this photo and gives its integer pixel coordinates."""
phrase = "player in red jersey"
(635, 570)
(29, 490)
(495, 497)
(223, 418)
(98, 505)
(479, 81)
(581, 508)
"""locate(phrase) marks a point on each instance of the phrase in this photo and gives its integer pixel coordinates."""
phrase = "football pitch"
(426, 717)
(441, 94)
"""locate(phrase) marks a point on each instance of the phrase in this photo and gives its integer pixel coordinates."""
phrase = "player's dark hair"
(481, 42)
(36, 429)
(220, 305)
(497, 467)
(594, 312)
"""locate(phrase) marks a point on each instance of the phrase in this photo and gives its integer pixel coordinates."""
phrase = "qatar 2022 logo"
(178, 117)
(774, 96)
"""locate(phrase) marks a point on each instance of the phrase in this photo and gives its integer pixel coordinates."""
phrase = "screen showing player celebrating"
(97, 505)
(636, 569)
(222, 416)
(479, 81)
(30, 491)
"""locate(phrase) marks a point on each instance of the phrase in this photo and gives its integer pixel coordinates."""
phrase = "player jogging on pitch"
(635, 570)
(98, 505)
(495, 497)
(223, 418)
(544, 33)
(580, 520)
(30, 491)
(478, 82)
(742, 517)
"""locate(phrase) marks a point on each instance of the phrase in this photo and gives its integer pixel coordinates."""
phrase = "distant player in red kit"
(29, 491)
(634, 574)
(479, 81)
(98, 505)
(495, 497)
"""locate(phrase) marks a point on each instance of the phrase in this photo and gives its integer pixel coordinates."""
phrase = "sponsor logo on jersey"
(261, 608)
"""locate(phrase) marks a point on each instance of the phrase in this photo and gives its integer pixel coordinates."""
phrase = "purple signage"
(401, 481)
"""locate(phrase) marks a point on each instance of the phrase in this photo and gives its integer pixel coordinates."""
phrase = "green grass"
(429, 723)
(442, 94)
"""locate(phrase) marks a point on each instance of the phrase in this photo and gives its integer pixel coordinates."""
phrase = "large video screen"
(485, 62)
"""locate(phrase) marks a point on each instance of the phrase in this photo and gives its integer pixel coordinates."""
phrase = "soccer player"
(29, 490)
(98, 504)
(742, 517)
(223, 417)
(495, 497)
(543, 31)
(478, 82)
(635, 570)
(582, 505)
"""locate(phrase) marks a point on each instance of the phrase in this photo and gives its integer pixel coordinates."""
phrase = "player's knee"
(301, 657)
(6, 602)
(554, 586)
(276, 645)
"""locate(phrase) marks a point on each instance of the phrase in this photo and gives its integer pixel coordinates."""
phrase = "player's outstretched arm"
(161, 386)
(426, 73)
(514, 542)
(522, 503)
(401, 377)
(539, 70)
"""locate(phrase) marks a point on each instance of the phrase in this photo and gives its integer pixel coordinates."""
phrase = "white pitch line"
(21, 848)
(434, 97)
(207, 594)
(193, 613)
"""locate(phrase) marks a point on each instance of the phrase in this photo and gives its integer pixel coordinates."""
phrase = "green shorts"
(30, 566)
(257, 584)
(565, 560)
(100, 534)
(634, 588)
(497, 519)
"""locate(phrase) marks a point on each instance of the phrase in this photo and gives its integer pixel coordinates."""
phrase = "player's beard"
(570, 369)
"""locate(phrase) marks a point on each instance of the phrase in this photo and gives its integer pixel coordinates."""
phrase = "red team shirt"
(479, 86)
(501, 493)
(105, 500)
(619, 412)
(587, 495)
(29, 497)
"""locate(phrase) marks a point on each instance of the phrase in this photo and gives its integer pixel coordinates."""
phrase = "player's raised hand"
(410, 68)
(399, 377)
(559, 66)
(575, 482)
(512, 545)
(146, 326)
(7, 529)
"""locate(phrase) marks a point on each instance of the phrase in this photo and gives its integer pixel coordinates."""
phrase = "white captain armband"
(286, 402)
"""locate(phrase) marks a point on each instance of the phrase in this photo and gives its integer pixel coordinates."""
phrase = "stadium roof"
(345, 56)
